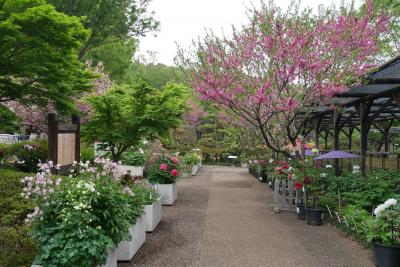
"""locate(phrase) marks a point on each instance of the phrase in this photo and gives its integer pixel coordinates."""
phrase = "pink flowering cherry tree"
(273, 72)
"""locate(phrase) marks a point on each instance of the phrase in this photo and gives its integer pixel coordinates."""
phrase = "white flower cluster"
(388, 203)
(128, 191)
(28, 147)
(323, 175)
(328, 166)
(271, 161)
(356, 169)
(36, 213)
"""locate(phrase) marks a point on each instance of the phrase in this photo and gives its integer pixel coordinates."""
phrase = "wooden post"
(336, 129)
(52, 137)
(364, 135)
(77, 120)
(316, 122)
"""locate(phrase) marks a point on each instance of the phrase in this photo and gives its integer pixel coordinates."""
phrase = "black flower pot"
(301, 211)
(386, 256)
(314, 216)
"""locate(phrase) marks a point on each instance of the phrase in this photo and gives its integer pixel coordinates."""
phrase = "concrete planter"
(152, 215)
(167, 192)
(195, 169)
(127, 249)
(111, 259)
(135, 170)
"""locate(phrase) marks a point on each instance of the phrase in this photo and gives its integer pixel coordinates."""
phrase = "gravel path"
(222, 218)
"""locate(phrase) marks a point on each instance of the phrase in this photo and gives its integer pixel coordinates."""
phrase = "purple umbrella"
(337, 154)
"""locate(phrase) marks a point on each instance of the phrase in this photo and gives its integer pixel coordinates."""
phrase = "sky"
(185, 20)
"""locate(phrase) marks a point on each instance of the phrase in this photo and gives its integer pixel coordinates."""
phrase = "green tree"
(110, 20)
(156, 75)
(8, 120)
(116, 58)
(38, 54)
(124, 116)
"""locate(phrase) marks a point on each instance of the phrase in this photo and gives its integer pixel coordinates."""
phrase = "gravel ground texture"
(223, 217)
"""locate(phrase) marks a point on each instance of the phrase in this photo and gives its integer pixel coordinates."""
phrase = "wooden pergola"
(375, 103)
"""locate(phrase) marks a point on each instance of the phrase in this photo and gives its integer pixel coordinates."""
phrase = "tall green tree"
(109, 20)
(38, 54)
(122, 117)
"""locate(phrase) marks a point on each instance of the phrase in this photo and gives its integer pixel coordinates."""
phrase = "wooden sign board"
(64, 141)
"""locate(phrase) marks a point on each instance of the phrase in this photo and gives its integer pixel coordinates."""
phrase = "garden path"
(222, 218)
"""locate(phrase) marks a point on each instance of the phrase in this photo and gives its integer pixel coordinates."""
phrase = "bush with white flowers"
(79, 218)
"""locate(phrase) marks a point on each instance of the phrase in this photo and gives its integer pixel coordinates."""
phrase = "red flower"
(163, 166)
(174, 172)
(175, 160)
(298, 185)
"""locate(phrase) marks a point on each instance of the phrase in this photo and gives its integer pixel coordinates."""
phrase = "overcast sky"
(184, 20)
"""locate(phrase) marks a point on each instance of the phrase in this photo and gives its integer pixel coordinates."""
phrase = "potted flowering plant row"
(163, 175)
(87, 219)
(385, 234)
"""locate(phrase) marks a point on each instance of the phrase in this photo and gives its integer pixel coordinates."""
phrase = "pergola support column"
(336, 130)
(364, 129)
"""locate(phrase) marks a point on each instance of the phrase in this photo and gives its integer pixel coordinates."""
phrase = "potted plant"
(385, 234)
(309, 176)
(192, 161)
(79, 221)
(133, 163)
(164, 176)
(152, 204)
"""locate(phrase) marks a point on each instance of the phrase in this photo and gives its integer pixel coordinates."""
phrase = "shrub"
(26, 155)
(165, 171)
(87, 153)
(133, 158)
(17, 247)
(83, 217)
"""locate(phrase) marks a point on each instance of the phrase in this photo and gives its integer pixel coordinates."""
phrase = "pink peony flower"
(163, 166)
(175, 160)
(174, 172)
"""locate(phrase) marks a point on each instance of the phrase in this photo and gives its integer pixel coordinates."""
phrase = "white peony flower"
(328, 166)
(390, 202)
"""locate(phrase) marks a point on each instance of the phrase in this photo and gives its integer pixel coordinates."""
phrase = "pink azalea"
(175, 160)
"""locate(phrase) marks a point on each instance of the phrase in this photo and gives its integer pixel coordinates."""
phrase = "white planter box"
(195, 169)
(111, 259)
(167, 192)
(153, 215)
(135, 170)
(127, 249)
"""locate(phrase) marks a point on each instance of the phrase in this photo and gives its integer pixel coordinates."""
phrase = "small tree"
(39, 55)
(122, 117)
(274, 72)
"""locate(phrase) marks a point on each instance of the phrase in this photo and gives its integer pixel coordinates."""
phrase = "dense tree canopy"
(38, 54)
(109, 20)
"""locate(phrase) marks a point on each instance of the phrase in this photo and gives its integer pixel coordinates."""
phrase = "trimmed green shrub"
(17, 247)
(87, 153)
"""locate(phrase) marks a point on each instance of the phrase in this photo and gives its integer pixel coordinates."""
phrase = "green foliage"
(116, 58)
(83, 219)
(133, 158)
(87, 153)
(18, 248)
(8, 120)
(156, 75)
(27, 154)
(126, 114)
(109, 20)
(38, 55)
(157, 175)
(146, 194)
(191, 158)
